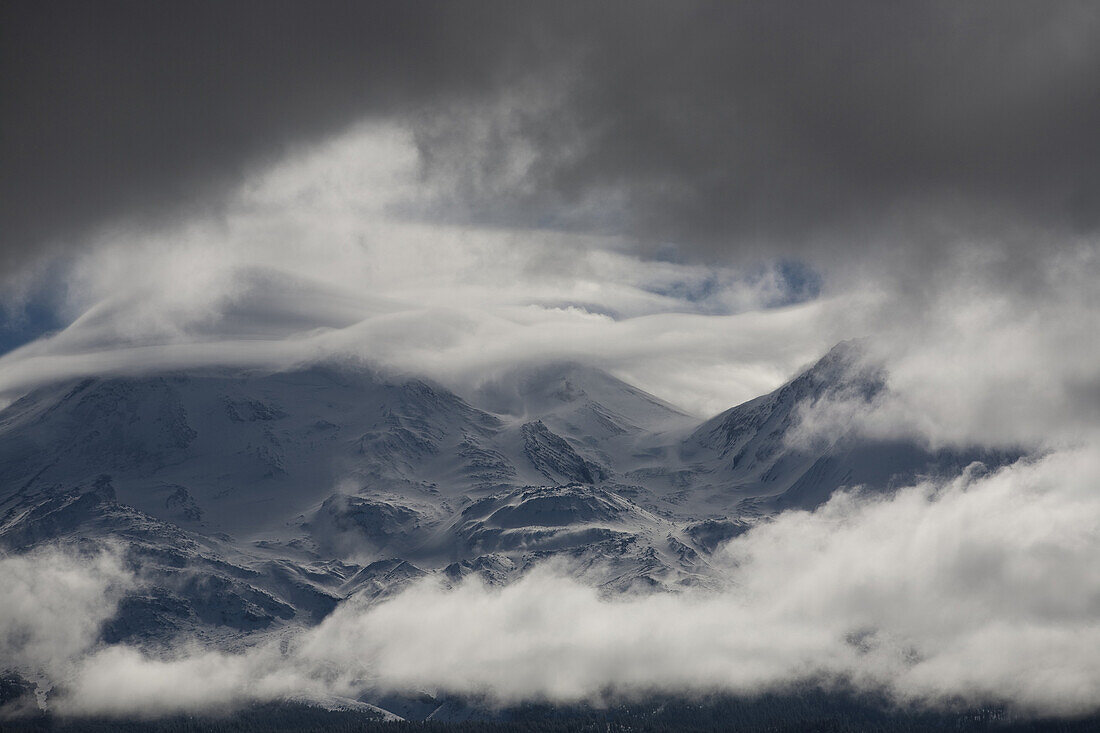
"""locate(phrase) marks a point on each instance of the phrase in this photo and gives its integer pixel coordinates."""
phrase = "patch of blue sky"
(722, 291)
(36, 315)
(34, 319)
(799, 283)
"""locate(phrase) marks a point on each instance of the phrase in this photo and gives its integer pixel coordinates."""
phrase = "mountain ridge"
(250, 503)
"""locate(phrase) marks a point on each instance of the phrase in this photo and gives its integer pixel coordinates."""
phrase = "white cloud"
(977, 360)
(985, 589)
(53, 605)
(981, 590)
(311, 260)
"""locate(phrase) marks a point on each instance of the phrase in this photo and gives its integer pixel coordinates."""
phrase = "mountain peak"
(559, 392)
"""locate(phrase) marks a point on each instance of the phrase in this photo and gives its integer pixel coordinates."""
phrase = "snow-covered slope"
(250, 501)
(582, 402)
(243, 454)
(756, 452)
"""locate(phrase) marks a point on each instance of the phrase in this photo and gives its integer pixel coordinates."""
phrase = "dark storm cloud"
(722, 126)
(777, 124)
(134, 107)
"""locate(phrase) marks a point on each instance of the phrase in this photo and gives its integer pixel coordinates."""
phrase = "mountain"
(254, 501)
(282, 493)
(758, 452)
(585, 403)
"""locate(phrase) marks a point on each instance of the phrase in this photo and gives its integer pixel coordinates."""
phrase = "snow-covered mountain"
(756, 452)
(250, 501)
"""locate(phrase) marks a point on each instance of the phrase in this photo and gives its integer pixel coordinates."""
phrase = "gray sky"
(797, 128)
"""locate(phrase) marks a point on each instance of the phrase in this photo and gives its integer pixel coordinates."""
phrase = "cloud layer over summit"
(315, 258)
(930, 165)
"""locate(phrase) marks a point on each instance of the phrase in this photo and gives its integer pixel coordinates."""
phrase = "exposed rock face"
(552, 456)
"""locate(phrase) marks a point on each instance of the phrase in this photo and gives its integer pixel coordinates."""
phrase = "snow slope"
(250, 501)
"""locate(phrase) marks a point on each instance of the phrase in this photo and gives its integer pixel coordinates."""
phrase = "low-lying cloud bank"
(982, 590)
(53, 605)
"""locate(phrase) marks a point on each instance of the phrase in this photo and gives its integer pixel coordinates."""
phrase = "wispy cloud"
(312, 261)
